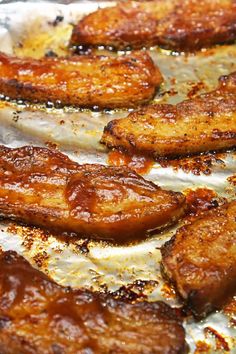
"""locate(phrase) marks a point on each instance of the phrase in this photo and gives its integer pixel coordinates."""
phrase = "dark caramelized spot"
(197, 165)
(202, 347)
(195, 89)
(200, 200)
(57, 20)
(232, 180)
(221, 343)
(230, 307)
(136, 291)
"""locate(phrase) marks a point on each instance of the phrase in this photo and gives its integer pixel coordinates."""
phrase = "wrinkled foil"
(90, 264)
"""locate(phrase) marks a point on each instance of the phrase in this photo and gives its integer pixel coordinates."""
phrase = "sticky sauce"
(232, 180)
(202, 347)
(138, 163)
(200, 200)
(168, 291)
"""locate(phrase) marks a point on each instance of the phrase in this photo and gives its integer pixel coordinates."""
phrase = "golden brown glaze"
(182, 25)
(201, 260)
(140, 164)
(87, 81)
(204, 123)
(44, 188)
(200, 200)
(38, 316)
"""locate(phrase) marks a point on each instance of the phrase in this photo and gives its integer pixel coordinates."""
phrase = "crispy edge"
(11, 342)
(106, 226)
(124, 96)
(114, 136)
(196, 299)
(172, 27)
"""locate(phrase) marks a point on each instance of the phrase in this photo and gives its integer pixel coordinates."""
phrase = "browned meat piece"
(87, 81)
(183, 25)
(207, 122)
(201, 260)
(39, 316)
(44, 188)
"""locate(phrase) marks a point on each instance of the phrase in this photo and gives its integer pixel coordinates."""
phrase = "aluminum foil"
(98, 265)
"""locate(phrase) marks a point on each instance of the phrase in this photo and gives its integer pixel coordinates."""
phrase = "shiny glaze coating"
(45, 188)
(206, 122)
(86, 81)
(201, 260)
(38, 316)
(182, 25)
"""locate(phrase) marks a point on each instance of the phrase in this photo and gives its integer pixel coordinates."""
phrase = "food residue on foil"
(140, 164)
(200, 200)
(230, 310)
(42, 39)
(200, 164)
(220, 341)
(196, 87)
(232, 180)
(28, 234)
(137, 291)
(39, 43)
(168, 291)
(41, 259)
(202, 347)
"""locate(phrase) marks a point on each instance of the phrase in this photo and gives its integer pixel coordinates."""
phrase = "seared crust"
(207, 122)
(86, 81)
(45, 188)
(201, 260)
(38, 316)
(183, 25)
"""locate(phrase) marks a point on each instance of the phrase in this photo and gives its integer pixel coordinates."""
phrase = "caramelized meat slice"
(39, 316)
(87, 81)
(129, 24)
(201, 260)
(207, 122)
(182, 25)
(45, 188)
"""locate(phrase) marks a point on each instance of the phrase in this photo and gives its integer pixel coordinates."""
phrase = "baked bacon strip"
(207, 122)
(182, 25)
(39, 316)
(201, 260)
(45, 188)
(86, 81)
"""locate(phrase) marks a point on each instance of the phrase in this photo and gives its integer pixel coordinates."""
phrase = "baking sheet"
(98, 265)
